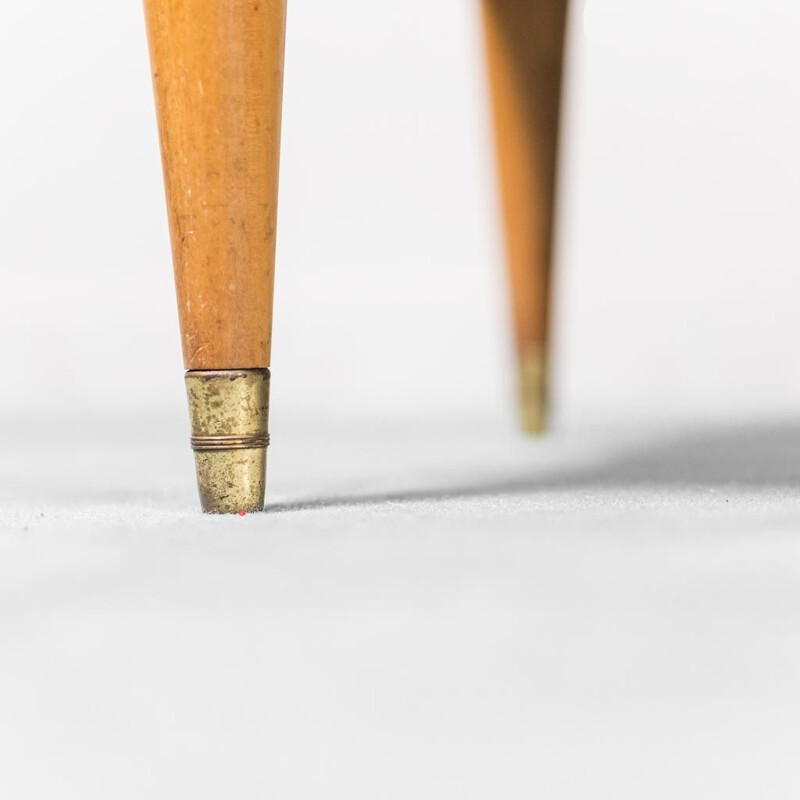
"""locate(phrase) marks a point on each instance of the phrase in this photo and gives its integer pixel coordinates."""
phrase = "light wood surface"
(525, 44)
(218, 78)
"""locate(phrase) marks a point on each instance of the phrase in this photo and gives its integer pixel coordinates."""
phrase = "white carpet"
(428, 611)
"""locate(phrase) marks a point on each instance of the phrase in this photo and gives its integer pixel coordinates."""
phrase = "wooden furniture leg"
(218, 77)
(525, 44)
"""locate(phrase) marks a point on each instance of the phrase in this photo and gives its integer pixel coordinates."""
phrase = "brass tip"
(533, 389)
(229, 410)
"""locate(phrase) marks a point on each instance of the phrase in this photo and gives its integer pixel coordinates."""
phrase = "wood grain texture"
(218, 77)
(525, 44)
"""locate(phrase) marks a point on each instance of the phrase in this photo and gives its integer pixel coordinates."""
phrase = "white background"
(434, 607)
(678, 268)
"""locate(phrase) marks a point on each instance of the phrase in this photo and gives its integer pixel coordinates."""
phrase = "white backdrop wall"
(679, 275)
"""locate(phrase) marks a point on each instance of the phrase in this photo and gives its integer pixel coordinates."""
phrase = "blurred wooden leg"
(218, 76)
(525, 43)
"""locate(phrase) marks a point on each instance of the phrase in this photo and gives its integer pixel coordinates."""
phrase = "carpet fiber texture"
(426, 610)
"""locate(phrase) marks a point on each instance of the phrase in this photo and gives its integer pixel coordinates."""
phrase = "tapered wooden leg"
(218, 77)
(525, 44)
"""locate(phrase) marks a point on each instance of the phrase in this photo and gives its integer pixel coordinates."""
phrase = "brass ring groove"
(210, 444)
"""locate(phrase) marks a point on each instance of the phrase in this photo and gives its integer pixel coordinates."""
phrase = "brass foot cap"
(533, 391)
(229, 411)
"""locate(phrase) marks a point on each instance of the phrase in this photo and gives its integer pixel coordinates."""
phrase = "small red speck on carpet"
(242, 513)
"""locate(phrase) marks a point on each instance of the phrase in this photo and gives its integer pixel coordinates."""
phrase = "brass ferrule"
(229, 411)
(533, 388)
